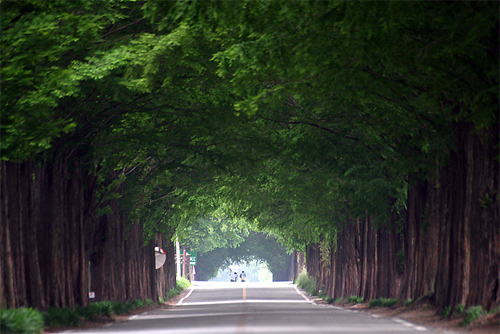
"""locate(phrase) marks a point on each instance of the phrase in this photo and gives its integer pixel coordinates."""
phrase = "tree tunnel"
(256, 246)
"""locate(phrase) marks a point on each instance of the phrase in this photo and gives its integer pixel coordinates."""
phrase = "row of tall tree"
(363, 132)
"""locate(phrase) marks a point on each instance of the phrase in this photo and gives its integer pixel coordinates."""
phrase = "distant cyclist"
(234, 277)
(243, 276)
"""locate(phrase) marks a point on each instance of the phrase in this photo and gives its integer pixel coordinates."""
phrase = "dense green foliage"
(282, 113)
(354, 299)
(207, 234)
(22, 320)
(62, 317)
(349, 99)
(304, 281)
(471, 314)
(182, 284)
(383, 302)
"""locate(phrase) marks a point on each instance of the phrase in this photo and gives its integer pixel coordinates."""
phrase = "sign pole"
(178, 258)
(184, 263)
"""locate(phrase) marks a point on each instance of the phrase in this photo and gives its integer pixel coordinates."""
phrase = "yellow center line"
(244, 293)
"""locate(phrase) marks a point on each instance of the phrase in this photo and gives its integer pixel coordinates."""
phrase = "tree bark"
(48, 232)
(470, 240)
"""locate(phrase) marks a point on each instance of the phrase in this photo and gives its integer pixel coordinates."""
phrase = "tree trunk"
(8, 219)
(450, 234)
(47, 234)
(165, 276)
(470, 240)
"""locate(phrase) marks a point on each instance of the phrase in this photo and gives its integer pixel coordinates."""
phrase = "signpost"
(182, 260)
(192, 258)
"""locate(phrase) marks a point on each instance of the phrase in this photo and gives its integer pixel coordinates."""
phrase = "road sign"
(192, 258)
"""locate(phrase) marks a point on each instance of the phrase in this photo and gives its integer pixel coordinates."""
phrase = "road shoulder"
(422, 314)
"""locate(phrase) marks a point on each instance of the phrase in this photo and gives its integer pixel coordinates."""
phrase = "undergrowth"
(182, 285)
(21, 320)
(29, 320)
(383, 302)
(304, 281)
(355, 299)
(471, 314)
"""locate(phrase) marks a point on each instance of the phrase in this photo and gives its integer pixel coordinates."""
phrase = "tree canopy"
(281, 113)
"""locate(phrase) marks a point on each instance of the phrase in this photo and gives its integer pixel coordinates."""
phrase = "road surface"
(221, 308)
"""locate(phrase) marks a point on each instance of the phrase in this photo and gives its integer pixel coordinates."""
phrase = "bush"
(330, 300)
(355, 299)
(84, 312)
(120, 307)
(383, 302)
(471, 314)
(61, 317)
(304, 281)
(460, 309)
(21, 320)
(24, 320)
(132, 304)
(408, 302)
(182, 285)
(139, 303)
(104, 308)
(445, 312)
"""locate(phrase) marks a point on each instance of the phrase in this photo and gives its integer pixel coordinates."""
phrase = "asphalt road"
(262, 308)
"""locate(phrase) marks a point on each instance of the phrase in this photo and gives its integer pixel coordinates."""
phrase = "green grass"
(471, 314)
(408, 302)
(355, 299)
(21, 320)
(460, 309)
(55, 316)
(182, 285)
(444, 313)
(304, 281)
(383, 302)
(24, 320)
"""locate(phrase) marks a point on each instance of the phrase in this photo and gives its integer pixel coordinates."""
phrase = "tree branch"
(122, 28)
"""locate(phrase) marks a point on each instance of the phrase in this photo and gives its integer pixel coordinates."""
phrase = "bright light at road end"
(232, 285)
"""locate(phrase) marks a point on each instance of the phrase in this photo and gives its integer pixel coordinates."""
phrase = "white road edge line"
(409, 324)
(421, 328)
(189, 294)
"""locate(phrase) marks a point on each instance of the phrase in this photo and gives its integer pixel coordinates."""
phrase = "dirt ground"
(426, 315)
